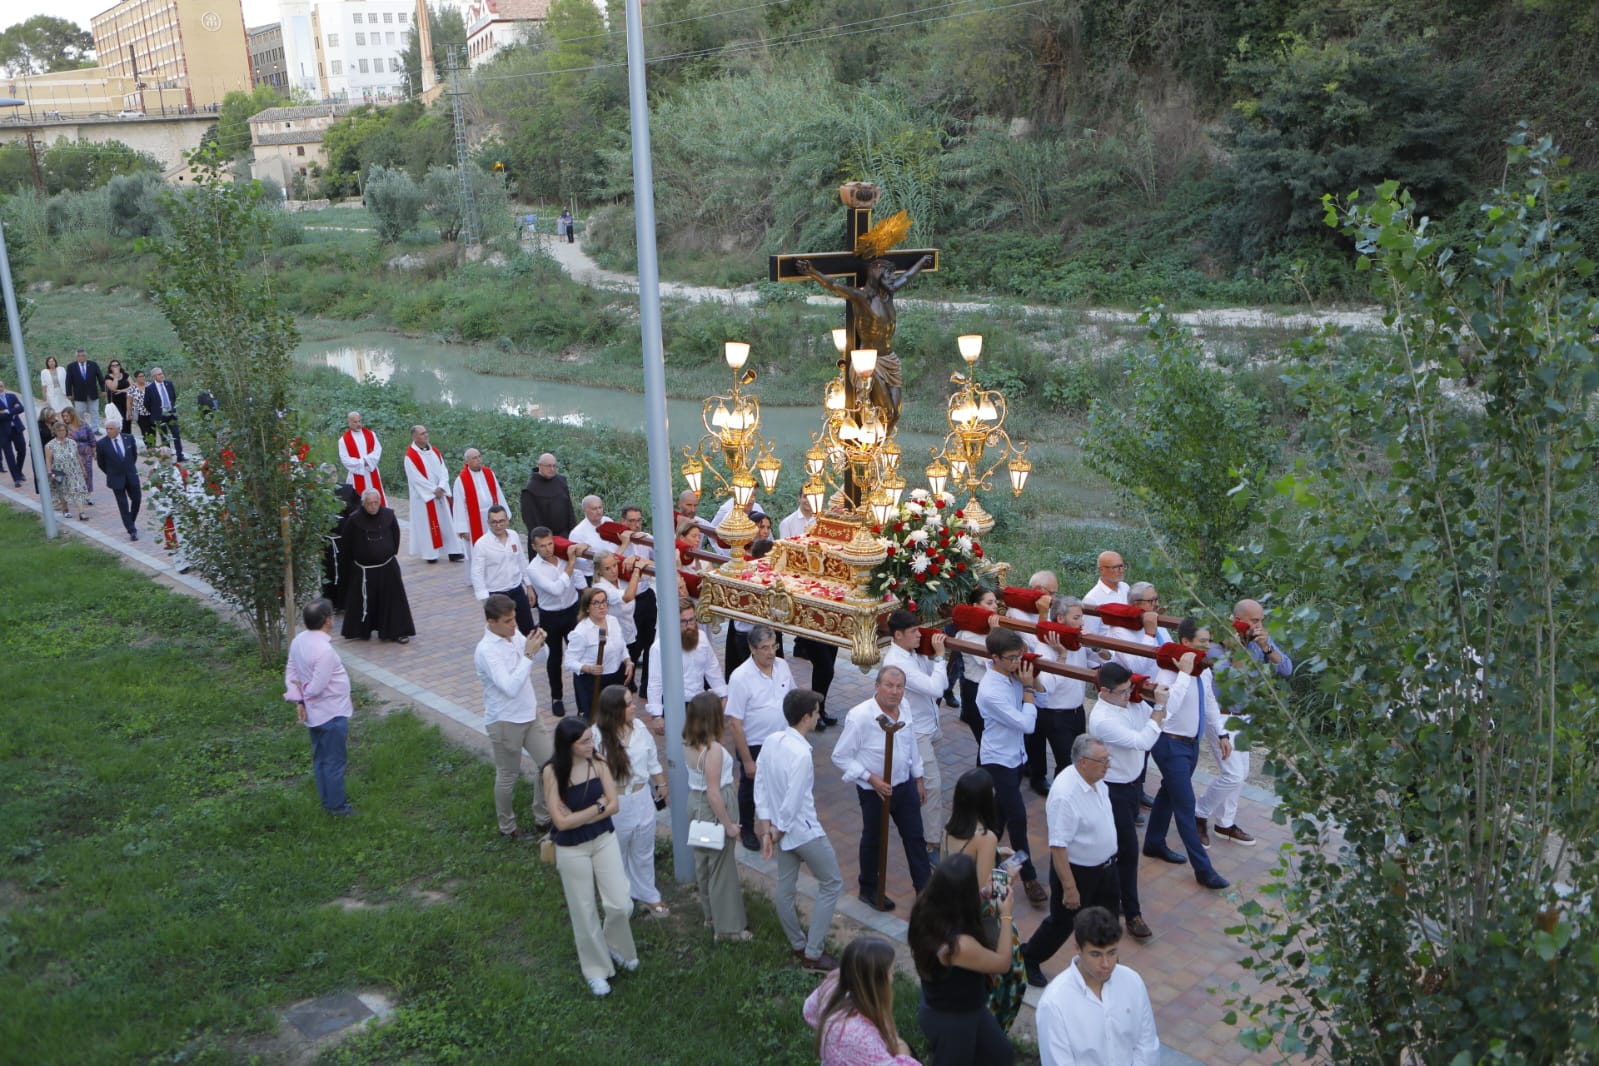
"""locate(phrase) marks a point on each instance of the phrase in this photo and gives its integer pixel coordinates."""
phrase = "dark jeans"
(823, 658)
(1175, 800)
(905, 810)
(1013, 811)
(558, 625)
(524, 610)
(327, 761)
(639, 650)
(971, 1039)
(969, 712)
(587, 688)
(1057, 728)
(14, 448)
(1124, 808)
(746, 791)
(1097, 887)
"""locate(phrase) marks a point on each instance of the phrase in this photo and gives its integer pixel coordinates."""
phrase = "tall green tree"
(44, 44)
(233, 119)
(1436, 546)
(447, 30)
(238, 341)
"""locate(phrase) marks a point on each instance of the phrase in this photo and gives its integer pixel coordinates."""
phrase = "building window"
(388, 16)
(394, 65)
(364, 67)
(333, 40)
(402, 18)
(338, 66)
(299, 149)
(360, 40)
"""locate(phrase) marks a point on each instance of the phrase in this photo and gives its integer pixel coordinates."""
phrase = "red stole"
(365, 481)
(414, 457)
(474, 515)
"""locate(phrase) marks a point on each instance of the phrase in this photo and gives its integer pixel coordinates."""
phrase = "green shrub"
(395, 200)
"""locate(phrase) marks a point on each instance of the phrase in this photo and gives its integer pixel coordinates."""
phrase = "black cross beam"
(846, 264)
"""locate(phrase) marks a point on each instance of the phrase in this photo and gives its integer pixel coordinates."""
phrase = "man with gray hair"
(161, 401)
(587, 533)
(1082, 852)
(547, 501)
(432, 514)
(755, 694)
(476, 490)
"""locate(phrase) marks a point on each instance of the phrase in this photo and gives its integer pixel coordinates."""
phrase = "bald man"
(547, 501)
(476, 490)
(1220, 801)
(1110, 588)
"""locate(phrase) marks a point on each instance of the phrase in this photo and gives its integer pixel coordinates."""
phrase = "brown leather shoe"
(1203, 825)
(1236, 835)
(1138, 928)
(1036, 893)
(823, 963)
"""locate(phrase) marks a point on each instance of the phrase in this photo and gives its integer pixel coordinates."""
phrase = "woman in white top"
(53, 383)
(629, 750)
(716, 872)
(607, 576)
(973, 667)
(595, 652)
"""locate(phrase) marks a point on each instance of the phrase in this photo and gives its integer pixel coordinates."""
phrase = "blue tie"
(1199, 730)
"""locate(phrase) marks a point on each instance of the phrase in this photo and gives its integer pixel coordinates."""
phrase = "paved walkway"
(1188, 964)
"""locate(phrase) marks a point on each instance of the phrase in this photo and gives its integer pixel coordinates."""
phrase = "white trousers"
(1219, 804)
(583, 867)
(635, 834)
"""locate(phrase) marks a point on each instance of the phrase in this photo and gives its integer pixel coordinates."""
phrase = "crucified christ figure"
(873, 307)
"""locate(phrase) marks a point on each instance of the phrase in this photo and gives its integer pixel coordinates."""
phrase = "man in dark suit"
(85, 384)
(13, 434)
(118, 458)
(161, 400)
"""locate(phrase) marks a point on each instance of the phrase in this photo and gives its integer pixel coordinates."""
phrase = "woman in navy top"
(581, 796)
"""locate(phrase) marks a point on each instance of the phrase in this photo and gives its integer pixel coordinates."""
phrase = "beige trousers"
(509, 740)
(583, 867)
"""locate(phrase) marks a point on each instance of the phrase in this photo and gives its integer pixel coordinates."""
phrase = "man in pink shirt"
(317, 684)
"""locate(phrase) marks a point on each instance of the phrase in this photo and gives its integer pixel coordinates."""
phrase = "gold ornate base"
(974, 513)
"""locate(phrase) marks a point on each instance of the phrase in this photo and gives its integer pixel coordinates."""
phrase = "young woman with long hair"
(852, 1010)
(581, 795)
(596, 651)
(629, 752)
(713, 797)
(973, 830)
(955, 959)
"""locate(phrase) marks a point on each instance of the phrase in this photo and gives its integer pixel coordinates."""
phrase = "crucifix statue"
(874, 272)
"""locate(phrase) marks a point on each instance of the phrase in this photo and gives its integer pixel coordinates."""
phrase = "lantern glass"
(863, 360)
(835, 396)
(1020, 470)
(841, 340)
(815, 457)
(736, 353)
(743, 490)
(891, 456)
(693, 473)
(937, 477)
(971, 346)
(894, 485)
(768, 467)
(986, 412)
(881, 506)
(815, 495)
(957, 470)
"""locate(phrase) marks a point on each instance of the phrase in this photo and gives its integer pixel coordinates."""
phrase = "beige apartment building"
(196, 49)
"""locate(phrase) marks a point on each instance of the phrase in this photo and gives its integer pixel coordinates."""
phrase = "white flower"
(919, 563)
(917, 537)
(964, 543)
(933, 521)
(948, 497)
(971, 525)
(918, 494)
(913, 508)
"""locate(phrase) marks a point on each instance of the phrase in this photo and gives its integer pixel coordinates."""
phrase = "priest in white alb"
(432, 519)
(360, 451)
(476, 490)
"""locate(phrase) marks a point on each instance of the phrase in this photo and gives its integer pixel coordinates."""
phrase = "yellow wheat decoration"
(876, 242)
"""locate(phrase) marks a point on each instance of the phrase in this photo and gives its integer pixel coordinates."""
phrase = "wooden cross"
(847, 265)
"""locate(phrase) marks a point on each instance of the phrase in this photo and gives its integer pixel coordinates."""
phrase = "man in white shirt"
(556, 587)
(1109, 589)
(1082, 852)
(645, 609)
(497, 566)
(476, 490)
(504, 661)
(1128, 731)
(755, 694)
(1143, 595)
(1097, 1012)
(799, 522)
(1005, 700)
(785, 801)
(587, 533)
(1193, 708)
(860, 753)
(701, 671)
(432, 516)
(924, 684)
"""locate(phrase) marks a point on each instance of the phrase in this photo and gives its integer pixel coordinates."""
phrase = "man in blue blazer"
(13, 434)
(161, 400)
(117, 455)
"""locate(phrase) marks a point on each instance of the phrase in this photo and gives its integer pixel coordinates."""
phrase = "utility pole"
(469, 221)
(33, 157)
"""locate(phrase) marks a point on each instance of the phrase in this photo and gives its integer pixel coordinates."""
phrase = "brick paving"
(1188, 965)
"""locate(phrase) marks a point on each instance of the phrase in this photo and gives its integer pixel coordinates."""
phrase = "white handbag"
(708, 835)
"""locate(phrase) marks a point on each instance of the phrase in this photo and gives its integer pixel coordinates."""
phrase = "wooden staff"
(1047, 666)
(599, 667)
(890, 727)
(1143, 651)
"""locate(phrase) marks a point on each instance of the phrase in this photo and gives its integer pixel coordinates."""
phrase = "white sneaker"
(630, 965)
(599, 986)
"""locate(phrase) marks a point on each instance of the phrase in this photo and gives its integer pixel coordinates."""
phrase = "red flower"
(891, 550)
(977, 550)
(940, 502)
(899, 527)
(911, 605)
(922, 578)
(960, 514)
(960, 568)
(877, 531)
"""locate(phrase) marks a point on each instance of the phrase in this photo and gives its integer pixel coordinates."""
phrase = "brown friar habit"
(375, 596)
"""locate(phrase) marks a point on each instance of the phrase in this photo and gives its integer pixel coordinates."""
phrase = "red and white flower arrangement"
(933, 555)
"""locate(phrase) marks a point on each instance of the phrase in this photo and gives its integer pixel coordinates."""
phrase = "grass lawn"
(167, 875)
